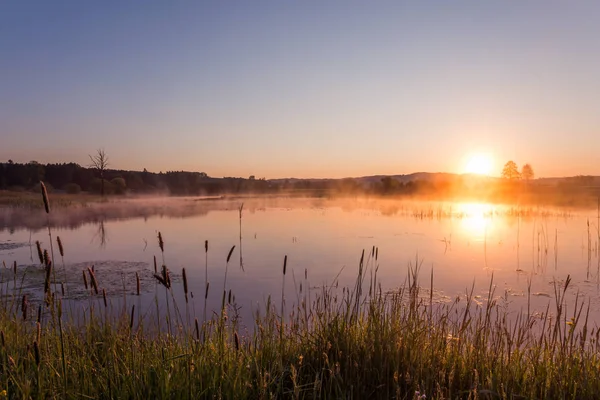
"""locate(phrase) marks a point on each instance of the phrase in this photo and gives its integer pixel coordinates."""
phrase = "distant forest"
(74, 178)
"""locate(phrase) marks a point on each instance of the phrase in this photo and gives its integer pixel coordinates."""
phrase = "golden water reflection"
(476, 219)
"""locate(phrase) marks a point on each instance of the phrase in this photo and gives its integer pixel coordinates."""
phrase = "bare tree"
(100, 162)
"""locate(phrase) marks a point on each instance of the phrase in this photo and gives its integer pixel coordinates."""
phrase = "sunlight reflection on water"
(462, 242)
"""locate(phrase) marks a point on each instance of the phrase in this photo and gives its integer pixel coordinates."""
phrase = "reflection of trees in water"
(73, 218)
(100, 236)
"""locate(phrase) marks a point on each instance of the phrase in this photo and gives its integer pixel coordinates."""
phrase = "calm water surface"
(462, 243)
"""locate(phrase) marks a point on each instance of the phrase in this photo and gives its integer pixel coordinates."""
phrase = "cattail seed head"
(132, 314)
(24, 304)
(45, 197)
(229, 297)
(155, 267)
(185, 283)
(84, 279)
(197, 329)
(137, 283)
(46, 258)
(161, 243)
(40, 252)
(61, 249)
(284, 264)
(39, 314)
(93, 281)
(166, 277)
(230, 252)
(104, 298)
(160, 279)
(62, 289)
(15, 268)
(206, 291)
(36, 353)
(206, 246)
(47, 280)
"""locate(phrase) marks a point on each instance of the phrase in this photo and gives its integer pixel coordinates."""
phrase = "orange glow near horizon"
(480, 164)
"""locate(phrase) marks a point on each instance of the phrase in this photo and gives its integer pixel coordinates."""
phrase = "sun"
(480, 164)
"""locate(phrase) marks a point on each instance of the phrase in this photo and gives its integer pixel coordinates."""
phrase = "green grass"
(337, 345)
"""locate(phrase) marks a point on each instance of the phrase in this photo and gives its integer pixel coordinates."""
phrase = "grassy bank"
(355, 342)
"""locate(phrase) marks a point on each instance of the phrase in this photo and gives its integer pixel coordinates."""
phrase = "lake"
(465, 244)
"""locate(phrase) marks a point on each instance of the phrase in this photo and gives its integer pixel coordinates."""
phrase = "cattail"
(36, 352)
(104, 297)
(155, 267)
(15, 267)
(40, 252)
(197, 329)
(230, 252)
(206, 246)
(24, 304)
(229, 297)
(38, 329)
(161, 243)
(62, 289)
(305, 273)
(206, 291)
(45, 197)
(132, 314)
(137, 283)
(162, 280)
(84, 279)
(166, 276)
(376, 253)
(46, 258)
(237, 341)
(185, 284)
(61, 249)
(47, 280)
(284, 264)
(39, 315)
(93, 281)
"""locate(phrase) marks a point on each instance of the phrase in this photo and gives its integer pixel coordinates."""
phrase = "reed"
(339, 344)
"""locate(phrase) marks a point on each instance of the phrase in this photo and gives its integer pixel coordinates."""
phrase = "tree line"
(100, 179)
(511, 171)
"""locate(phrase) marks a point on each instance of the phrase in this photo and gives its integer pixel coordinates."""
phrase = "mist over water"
(465, 244)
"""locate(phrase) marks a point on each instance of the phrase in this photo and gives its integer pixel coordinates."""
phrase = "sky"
(302, 88)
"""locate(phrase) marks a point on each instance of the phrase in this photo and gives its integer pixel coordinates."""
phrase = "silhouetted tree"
(510, 171)
(527, 172)
(100, 162)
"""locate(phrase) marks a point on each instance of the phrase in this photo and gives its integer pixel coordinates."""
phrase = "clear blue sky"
(302, 88)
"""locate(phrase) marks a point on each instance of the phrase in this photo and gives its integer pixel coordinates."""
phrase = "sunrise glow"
(480, 164)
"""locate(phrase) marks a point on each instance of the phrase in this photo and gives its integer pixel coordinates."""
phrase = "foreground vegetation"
(328, 342)
(335, 343)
